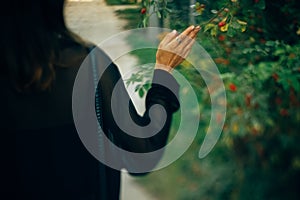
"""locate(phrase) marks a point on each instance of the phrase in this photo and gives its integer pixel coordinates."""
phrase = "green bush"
(120, 2)
(256, 47)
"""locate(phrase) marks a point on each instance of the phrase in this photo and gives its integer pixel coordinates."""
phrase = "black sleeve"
(125, 127)
(132, 132)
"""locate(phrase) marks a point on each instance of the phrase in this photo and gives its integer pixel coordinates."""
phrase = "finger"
(189, 42)
(177, 43)
(187, 35)
(187, 49)
(186, 43)
(189, 38)
(195, 32)
(169, 37)
(187, 31)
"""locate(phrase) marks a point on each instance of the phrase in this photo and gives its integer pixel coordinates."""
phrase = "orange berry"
(284, 112)
(221, 38)
(143, 10)
(275, 77)
(232, 87)
(222, 23)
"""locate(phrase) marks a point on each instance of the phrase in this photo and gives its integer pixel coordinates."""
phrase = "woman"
(43, 156)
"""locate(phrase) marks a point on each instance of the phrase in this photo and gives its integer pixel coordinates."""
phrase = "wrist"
(163, 67)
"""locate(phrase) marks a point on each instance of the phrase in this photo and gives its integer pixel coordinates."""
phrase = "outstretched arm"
(143, 134)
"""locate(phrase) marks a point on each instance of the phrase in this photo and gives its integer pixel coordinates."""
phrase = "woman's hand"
(174, 48)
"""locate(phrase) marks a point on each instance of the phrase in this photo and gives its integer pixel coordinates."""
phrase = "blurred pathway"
(96, 22)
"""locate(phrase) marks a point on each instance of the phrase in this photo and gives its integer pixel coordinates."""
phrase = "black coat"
(43, 156)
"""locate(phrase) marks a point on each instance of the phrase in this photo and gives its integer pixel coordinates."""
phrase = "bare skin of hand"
(174, 48)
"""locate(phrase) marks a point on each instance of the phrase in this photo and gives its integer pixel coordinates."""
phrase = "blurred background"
(255, 44)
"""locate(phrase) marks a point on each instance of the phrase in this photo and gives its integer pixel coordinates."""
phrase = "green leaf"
(270, 43)
(261, 4)
(208, 27)
(146, 86)
(141, 92)
(295, 83)
(248, 50)
(168, 10)
(137, 87)
(213, 31)
(227, 75)
(235, 25)
(279, 52)
(145, 22)
(231, 32)
(158, 14)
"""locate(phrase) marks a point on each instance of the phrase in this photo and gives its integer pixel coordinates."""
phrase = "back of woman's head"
(31, 33)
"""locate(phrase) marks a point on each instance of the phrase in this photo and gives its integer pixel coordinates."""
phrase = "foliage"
(120, 2)
(157, 7)
(129, 15)
(256, 47)
(262, 122)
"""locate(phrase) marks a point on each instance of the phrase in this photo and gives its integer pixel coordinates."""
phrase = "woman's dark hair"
(31, 33)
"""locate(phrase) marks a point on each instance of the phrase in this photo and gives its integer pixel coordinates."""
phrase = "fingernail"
(198, 28)
(174, 31)
(193, 27)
